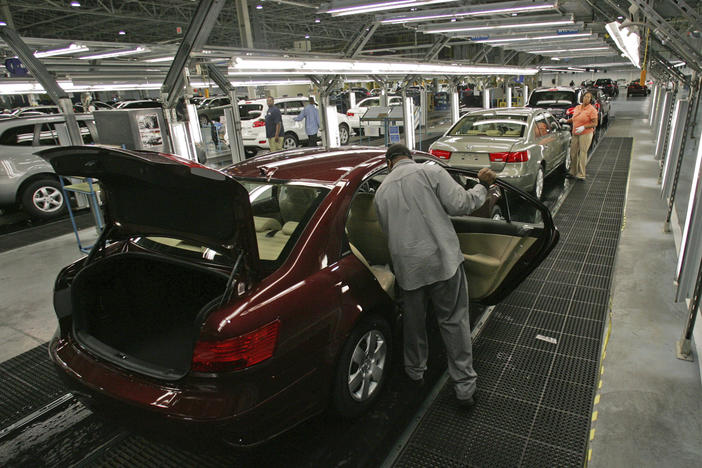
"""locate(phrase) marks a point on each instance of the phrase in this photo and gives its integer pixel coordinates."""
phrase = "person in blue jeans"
(311, 116)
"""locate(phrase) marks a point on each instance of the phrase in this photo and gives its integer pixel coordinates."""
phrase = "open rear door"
(503, 241)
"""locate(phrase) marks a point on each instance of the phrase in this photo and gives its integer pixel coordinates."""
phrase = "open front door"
(503, 241)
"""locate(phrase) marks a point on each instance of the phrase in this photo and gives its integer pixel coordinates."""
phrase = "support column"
(236, 143)
(42, 75)
(486, 98)
(508, 92)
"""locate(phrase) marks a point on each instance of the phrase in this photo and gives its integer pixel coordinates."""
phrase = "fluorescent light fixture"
(122, 33)
(160, 59)
(466, 11)
(2, 23)
(246, 66)
(532, 38)
(555, 58)
(115, 53)
(355, 9)
(626, 40)
(512, 23)
(75, 4)
(71, 49)
(681, 64)
(556, 51)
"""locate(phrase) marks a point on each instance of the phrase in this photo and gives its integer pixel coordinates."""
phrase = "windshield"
(552, 98)
(250, 111)
(603, 81)
(491, 125)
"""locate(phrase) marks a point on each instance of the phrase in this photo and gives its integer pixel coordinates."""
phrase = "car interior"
(491, 247)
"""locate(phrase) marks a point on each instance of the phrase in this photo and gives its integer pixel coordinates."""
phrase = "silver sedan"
(522, 145)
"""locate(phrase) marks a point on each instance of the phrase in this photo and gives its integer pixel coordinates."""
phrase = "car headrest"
(295, 201)
(362, 208)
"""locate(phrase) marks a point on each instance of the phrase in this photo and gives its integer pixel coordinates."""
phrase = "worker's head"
(395, 153)
(270, 101)
(311, 100)
(587, 99)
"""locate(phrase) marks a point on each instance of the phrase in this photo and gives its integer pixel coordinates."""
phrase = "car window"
(498, 126)
(22, 135)
(372, 102)
(281, 211)
(552, 122)
(540, 126)
(293, 107)
(552, 98)
(250, 111)
(48, 136)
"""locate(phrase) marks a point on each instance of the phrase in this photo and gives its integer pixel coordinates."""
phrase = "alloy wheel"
(48, 199)
(343, 134)
(367, 365)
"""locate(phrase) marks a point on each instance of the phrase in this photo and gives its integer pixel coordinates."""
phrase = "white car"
(253, 124)
(355, 113)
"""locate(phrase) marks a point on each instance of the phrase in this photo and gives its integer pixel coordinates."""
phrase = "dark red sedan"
(246, 300)
(636, 89)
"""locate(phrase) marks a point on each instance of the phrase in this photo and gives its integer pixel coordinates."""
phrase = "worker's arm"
(302, 115)
(277, 131)
(455, 199)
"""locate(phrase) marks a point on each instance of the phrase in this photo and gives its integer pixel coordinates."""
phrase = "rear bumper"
(234, 410)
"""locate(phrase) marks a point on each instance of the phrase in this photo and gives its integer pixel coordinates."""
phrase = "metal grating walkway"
(28, 382)
(534, 398)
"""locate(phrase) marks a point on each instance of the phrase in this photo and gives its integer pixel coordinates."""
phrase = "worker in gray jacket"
(414, 203)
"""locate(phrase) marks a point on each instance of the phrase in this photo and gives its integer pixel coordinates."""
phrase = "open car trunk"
(144, 312)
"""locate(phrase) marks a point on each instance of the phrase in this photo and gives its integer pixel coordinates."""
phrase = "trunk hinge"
(230, 282)
(99, 244)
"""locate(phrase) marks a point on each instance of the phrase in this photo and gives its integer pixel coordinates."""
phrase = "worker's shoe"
(414, 384)
(467, 402)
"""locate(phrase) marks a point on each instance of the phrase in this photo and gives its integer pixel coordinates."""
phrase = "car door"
(560, 140)
(502, 241)
(545, 140)
(501, 251)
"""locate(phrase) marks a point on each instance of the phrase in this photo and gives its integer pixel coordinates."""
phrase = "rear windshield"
(552, 98)
(603, 81)
(250, 111)
(499, 126)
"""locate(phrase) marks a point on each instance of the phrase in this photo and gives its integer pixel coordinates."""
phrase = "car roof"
(283, 99)
(508, 110)
(315, 164)
(555, 88)
(45, 118)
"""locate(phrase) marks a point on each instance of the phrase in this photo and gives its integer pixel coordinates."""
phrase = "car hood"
(157, 194)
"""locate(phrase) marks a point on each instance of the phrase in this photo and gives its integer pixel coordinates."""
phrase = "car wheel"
(290, 141)
(363, 367)
(343, 134)
(44, 199)
(539, 183)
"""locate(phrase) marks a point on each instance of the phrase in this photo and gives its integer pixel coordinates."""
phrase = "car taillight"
(441, 154)
(570, 111)
(350, 114)
(236, 353)
(510, 157)
(259, 123)
(597, 105)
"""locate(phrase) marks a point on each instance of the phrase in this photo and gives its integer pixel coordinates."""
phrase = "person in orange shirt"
(584, 122)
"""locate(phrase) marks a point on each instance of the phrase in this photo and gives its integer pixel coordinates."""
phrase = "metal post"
(694, 94)
(525, 98)
(455, 104)
(664, 124)
(42, 75)
(509, 96)
(236, 143)
(684, 348)
(486, 98)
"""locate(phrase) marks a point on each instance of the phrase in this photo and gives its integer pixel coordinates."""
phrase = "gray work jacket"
(413, 204)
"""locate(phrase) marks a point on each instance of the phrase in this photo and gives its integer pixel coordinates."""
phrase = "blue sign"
(567, 31)
(15, 67)
(394, 134)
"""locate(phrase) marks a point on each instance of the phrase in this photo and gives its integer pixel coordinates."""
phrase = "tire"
(344, 134)
(250, 152)
(44, 199)
(359, 380)
(538, 189)
(290, 141)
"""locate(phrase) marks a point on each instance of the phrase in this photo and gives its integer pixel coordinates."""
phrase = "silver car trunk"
(474, 152)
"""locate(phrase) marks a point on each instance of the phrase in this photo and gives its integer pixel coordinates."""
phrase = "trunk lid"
(156, 194)
(474, 152)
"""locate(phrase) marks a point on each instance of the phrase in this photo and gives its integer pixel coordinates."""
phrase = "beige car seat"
(294, 202)
(368, 241)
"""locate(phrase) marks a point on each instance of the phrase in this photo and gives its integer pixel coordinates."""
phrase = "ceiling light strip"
(115, 53)
(73, 48)
(378, 6)
(467, 11)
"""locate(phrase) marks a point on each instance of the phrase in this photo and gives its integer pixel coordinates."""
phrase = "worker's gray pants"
(450, 301)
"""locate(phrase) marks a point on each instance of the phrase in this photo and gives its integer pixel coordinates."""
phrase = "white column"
(508, 91)
(455, 107)
(486, 98)
(408, 123)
